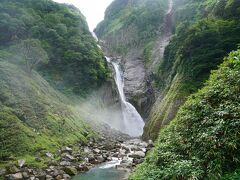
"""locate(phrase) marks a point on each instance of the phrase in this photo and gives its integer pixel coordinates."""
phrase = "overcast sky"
(93, 10)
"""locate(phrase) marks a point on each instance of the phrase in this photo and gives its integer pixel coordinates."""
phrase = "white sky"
(93, 10)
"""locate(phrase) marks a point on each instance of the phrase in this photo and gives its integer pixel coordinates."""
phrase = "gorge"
(155, 97)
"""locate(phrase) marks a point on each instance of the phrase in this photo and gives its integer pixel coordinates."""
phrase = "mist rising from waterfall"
(125, 118)
(132, 121)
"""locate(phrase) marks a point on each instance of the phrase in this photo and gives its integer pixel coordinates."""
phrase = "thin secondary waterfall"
(132, 121)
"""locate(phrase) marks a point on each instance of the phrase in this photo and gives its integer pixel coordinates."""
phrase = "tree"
(33, 53)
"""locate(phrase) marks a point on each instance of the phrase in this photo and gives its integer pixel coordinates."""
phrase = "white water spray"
(132, 121)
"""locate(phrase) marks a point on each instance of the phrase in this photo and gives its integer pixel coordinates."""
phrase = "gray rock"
(150, 144)
(50, 155)
(21, 163)
(67, 149)
(66, 176)
(25, 175)
(32, 178)
(55, 173)
(100, 159)
(96, 151)
(137, 154)
(48, 171)
(83, 167)
(30, 171)
(65, 163)
(41, 175)
(91, 158)
(87, 150)
(3, 172)
(59, 177)
(16, 176)
(52, 163)
(67, 156)
(125, 147)
(136, 148)
(70, 170)
(143, 144)
(48, 177)
(135, 81)
(138, 161)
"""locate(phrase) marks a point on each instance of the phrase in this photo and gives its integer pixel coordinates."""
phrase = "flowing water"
(132, 121)
(105, 171)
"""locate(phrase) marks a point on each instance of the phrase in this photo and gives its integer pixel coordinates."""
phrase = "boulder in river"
(71, 170)
(83, 167)
(100, 159)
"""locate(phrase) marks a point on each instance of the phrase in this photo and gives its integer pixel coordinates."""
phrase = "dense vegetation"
(75, 63)
(203, 140)
(44, 46)
(129, 24)
(34, 118)
(203, 34)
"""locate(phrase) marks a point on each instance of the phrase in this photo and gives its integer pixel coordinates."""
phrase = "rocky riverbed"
(78, 158)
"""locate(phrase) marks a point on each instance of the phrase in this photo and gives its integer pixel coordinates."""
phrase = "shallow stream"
(105, 171)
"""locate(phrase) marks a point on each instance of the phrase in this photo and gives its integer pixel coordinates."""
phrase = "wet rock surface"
(74, 159)
(137, 84)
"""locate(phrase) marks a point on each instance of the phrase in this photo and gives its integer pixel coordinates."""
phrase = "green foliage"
(59, 29)
(34, 116)
(199, 49)
(31, 52)
(129, 24)
(202, 38)
(203, 140)
(147, 53)
(43, 37)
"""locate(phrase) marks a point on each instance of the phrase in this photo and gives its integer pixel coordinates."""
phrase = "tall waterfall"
(132, 121)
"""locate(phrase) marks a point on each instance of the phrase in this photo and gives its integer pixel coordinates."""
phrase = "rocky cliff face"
(139, 31)
(126, 33)
(137, 84)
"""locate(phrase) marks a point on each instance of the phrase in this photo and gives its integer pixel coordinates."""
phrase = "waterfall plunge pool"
(105, 171)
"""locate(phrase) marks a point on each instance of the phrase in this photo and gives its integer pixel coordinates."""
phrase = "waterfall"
(132, 121)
